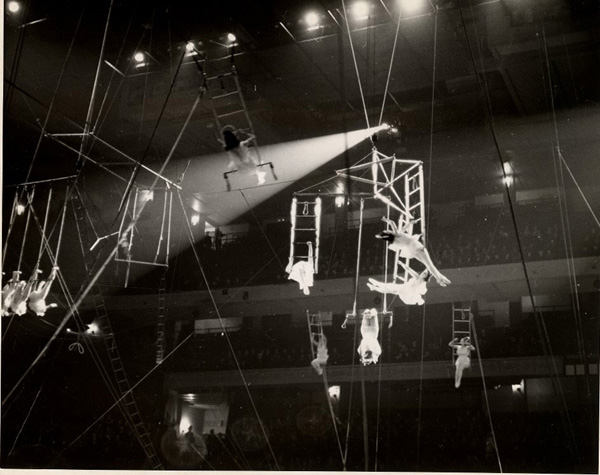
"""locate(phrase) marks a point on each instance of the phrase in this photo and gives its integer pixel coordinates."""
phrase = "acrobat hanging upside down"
(409, 246)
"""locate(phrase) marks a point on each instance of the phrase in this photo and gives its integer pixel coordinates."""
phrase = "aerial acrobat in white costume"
(409, 246)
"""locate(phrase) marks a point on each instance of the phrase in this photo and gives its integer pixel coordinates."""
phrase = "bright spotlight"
(20, 209)
(92, 328)
(189, 46)
(312, 20)
(195, 219)
(411, 6)
(508, 180)
(360, 10)
(139, 57)
(339, 201)
(13, 7)
(231, 37)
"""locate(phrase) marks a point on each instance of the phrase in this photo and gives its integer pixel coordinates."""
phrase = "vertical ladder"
(315, 327)
(127, 402)
(414, 210)
(160, 326)
(306, 228)
(461, 323)
(229, 104)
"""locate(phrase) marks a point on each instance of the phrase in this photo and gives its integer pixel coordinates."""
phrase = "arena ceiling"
(469, 84)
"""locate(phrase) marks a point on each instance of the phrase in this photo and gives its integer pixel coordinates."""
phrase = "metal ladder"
(160, 325)
(461, 323)
(306, 228)
(127, 402)
(414, 210)
(315, 327)
(229, 103)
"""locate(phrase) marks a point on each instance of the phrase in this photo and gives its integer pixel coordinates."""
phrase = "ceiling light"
(189, 46)
(339, 201)
(231, 37)
(20, 209)
(312, 20)
(360, 10)
(195, 219)
(508, 180)
(13, 7)
(139, 57)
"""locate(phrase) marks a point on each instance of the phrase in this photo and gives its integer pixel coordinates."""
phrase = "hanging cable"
(540, 324)
(225, 332)
(362, 96)
(387, 82)
(262, 230)
(434, 70)
(485, 393)
(43, 231)
(54, 95)
(11, 222)
(29, 211)
(566, 228)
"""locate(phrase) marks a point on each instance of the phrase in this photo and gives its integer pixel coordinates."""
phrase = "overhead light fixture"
(139, 57)
(508, 180)
(195, 219)
(189, 46)
(339, 201)
(20, 208)
(92, 328)
(231, 37)
(14, 7)
(360, 10)
(312, 21)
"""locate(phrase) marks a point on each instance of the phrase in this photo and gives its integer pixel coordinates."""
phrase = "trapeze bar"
(43, 181)
(361, 194)
(130, 261)
(73, 134)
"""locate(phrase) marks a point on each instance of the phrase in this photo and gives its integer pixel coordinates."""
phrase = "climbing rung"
(414, 206)
(418, 188)
(227, 94)
(306, 202)
(218, 77)
(306, 216)
(301, 257)
(306, 229)
(230, 113)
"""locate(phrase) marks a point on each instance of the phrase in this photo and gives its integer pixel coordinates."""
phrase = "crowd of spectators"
(442, 440)
(479, 237)
(401, 344)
